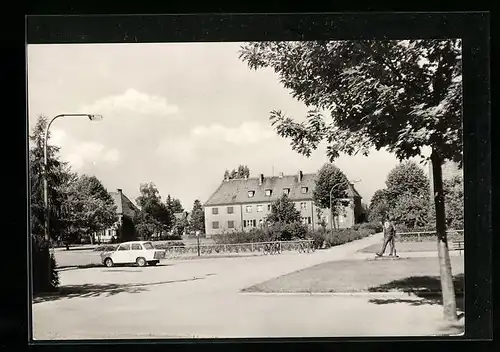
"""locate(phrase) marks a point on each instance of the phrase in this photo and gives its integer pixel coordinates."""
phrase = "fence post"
(252, 246)
(225, 248)
(418, 236)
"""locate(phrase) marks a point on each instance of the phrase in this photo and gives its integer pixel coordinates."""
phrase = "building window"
(260, 208)
(307, 221)
(215, 211)
(249, 223)
(230, 224)
(303, 205)
(269, 207)
(304, 190)
(230, 210)
(286, 191)
(251, 194)
(215, 224)
(269, 192)
(248, 209)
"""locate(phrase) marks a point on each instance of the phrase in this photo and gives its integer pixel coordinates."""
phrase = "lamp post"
(331, 191)
(91, 117)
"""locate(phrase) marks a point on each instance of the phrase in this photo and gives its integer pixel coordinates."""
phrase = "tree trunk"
(447, 288)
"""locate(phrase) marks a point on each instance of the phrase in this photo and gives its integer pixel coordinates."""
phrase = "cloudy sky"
(177, 115)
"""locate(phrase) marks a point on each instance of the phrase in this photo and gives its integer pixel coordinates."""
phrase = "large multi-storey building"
(243, 204)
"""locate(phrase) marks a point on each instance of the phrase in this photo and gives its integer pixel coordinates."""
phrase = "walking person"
(389, 235)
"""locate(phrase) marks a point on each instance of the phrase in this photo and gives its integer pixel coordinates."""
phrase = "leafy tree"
(411, 97)
(407, 194)
(406, 178)
(58, 175)
(88, 207)
(411, 211)
(154, 217)
(454, 199)
(379, 207)
(174, 205)
(197, 218)
(241, 172)
(181, 225)
(331, 179)
(283, 211)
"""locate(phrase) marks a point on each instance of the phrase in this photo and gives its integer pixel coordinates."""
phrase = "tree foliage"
(154, 217)
(173, 205)
(59, 176)
(407, 178)
(197, 222)
(330, 178)
(241, 172)
(379, 208)
(411, 94)
(454, 200)
(408, 194)
(283, 211)
(88, 207)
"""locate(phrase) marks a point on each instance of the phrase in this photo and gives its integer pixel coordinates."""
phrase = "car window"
(124, 247)
(148, 245)
(136, 247)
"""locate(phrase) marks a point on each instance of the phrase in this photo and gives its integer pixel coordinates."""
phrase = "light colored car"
(141, 253)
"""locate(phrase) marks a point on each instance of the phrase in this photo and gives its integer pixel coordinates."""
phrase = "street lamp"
(91, 117)
(331, 191)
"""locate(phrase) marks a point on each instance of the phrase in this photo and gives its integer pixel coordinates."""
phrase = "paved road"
(201, 298)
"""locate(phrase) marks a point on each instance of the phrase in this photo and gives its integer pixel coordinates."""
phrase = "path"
(201, 298)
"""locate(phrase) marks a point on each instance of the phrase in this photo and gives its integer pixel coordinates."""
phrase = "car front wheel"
(108, 262)
(141, 261)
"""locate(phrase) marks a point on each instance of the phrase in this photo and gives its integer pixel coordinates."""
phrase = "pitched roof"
(235, 191)
(124, 205)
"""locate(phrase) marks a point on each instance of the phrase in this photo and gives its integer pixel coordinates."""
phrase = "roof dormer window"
(251, 194)
(269, 192)
(286, 191)
(304, 190)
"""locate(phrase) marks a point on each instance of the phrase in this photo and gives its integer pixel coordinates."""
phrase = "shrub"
(252, 236)
(325, 238)
(40, 254)
(286, 231)
(318, 238)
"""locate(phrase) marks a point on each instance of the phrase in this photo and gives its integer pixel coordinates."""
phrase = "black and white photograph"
(252, 189)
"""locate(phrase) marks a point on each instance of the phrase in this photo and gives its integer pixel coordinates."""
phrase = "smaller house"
(124, 228)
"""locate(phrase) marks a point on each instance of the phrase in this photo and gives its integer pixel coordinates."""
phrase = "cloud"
(132, 101)
(185, 149)
(246, 133)
(81, 153)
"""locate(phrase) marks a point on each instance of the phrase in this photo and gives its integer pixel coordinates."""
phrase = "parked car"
(141, 253)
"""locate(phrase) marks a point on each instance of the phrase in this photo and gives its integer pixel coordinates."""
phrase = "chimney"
(261, 179)
(119, 190)
(301, 175)
(280, 175)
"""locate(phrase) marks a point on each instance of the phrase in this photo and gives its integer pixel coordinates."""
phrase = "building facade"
(243, 204)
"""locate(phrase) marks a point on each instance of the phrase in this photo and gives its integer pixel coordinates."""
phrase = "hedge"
(40, 254)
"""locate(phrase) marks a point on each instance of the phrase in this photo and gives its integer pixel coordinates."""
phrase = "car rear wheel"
(108, 262)
(140, 261)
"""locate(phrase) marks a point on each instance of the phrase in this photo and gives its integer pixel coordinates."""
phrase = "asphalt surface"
(203, 299)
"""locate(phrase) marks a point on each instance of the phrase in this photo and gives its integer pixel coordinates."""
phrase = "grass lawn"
(407, 275)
